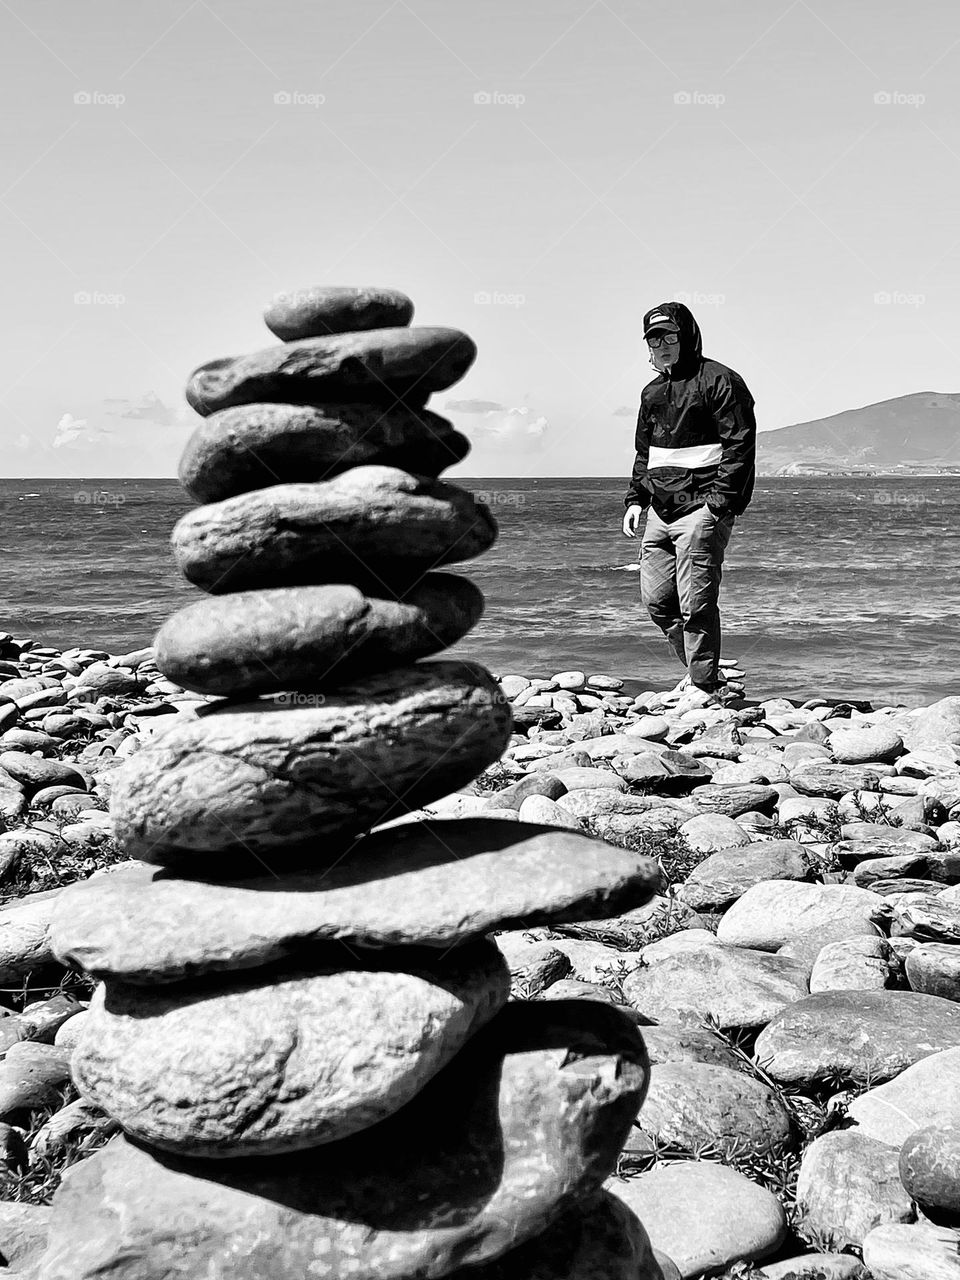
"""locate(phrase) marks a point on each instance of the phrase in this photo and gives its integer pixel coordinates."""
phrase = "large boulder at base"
(432, 884)
(914, 1251)
(738, 988)
(702, 1215)
(281, 1059)
(929, 1167)
(860, 1036)
(928, 1093)
(378, 366)
(692, 1104)
(848, 1184)
(725, 876)
(775, 912)
(323, 309)
(256, 445)
(366, 525)
(270, 778)
(542, 1100)
(311, 637)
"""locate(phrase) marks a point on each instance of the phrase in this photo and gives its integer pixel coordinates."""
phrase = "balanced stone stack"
(301, 1026)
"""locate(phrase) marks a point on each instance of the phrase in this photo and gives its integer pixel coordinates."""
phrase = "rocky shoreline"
(796, 979)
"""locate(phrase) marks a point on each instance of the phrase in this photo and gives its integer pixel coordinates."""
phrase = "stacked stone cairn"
(301, 1026)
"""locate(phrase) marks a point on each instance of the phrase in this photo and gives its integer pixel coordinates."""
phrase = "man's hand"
(631, 520)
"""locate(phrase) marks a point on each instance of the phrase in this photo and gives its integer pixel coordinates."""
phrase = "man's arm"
(637, 494)
(737, 427)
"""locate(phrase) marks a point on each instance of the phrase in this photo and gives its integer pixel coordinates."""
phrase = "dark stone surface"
(369, 523)
(432, 884)
(507, 1139)
(323, 309)
(253, 642)
(380, 366)
(251, 786)
(256, 445)
(930, 1168)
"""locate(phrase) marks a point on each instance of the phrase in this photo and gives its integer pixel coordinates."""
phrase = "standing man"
(696, 445)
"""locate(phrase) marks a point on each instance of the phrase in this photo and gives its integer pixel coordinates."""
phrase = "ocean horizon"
(834, 586)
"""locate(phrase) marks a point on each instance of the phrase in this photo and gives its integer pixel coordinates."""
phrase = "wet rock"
(325, 309)
(543, 1101)
(860, 1036)
(376, 366)
(433, 884)
(778, 911)
(282, 1059)
(703, 1215)
(367, 524)
(849, 1184)
(736, 987)
(244, 777)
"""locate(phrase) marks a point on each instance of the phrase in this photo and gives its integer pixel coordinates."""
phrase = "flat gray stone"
(542, 1100)
(248, 787)
(673, 1043)
(256, 445)
(833, 780)
(702, 1215)
(367, 525)
(657, 918)
(861, 964)
(35, 772)
(878, 742)
(31, 1075)
(278, 1060)
(860, 1036)
(323, 309)
(774, 912)
(725, 876)
(378, 366)
(848, 1184)
(433, 884)
(927, 1093)
(734, 798)
(738, 988)
(928, 918)
(23, 1234)
(934, 968)
(310, 638)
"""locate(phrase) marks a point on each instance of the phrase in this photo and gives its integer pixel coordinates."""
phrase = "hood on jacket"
(691, 343)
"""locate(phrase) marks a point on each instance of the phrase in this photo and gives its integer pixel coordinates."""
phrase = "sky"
(536, 172)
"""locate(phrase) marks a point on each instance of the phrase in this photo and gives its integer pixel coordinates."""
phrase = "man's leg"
(658, 582)
(701, 540)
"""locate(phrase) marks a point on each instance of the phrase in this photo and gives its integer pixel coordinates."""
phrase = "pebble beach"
(796, 977)
(322, 959)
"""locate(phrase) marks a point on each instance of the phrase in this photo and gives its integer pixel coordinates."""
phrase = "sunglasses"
(671, 340)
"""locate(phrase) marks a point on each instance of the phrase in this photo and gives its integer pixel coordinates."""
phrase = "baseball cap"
(660, 320)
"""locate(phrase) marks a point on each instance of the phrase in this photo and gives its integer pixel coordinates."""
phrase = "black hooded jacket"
(696, 432)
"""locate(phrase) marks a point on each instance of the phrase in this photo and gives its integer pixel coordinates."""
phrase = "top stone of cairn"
(313, 313)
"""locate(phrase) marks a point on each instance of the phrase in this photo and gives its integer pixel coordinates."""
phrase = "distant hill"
(919, 433)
